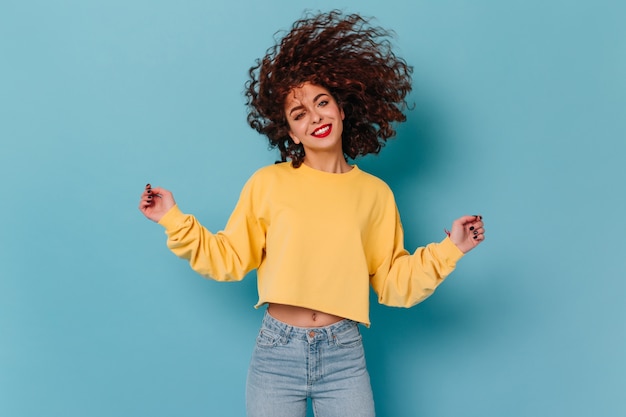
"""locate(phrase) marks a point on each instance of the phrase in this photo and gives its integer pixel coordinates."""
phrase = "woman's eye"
(322, 103)
(298, 116)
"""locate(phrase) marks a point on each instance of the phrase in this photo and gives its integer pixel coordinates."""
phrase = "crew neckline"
(313, 171)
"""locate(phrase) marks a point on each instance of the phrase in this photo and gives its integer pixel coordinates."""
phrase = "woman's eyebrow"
(318, 96)
(300, 106)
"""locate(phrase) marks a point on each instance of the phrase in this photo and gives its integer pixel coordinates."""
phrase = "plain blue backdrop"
(519, 114)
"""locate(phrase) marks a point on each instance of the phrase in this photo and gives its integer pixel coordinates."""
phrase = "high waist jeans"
(291, 364)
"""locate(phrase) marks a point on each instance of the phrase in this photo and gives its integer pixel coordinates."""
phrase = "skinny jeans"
(292, 364)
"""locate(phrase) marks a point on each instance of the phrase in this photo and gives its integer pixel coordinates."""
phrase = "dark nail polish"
(475, 232)
(472, 228)
(475, 237)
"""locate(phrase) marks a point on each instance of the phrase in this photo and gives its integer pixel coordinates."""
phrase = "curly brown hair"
(349, 57)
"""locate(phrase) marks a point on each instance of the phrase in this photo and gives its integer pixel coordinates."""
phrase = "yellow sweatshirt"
(317, 240)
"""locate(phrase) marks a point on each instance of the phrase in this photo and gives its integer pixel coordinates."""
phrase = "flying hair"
(349, 57)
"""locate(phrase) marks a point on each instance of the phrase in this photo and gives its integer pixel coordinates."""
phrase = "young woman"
(318, 230)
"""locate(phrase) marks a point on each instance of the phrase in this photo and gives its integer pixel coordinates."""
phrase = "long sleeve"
(402, 279)
(224, 256)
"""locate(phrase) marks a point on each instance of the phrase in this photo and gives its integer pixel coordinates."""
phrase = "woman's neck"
(335, 165)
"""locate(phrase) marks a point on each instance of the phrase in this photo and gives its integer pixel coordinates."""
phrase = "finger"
(477, 221)
(479, 237)
(144, 204)
(159, 190)
(146, 191)
(466, 219)
(147, 198)
(166, 196)
(475, 226)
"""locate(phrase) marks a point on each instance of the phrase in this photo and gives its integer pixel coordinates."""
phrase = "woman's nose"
(316, 117)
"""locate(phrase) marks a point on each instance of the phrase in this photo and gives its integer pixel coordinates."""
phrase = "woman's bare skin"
(300, 316)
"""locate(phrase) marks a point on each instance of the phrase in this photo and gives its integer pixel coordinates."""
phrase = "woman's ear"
(294, 138)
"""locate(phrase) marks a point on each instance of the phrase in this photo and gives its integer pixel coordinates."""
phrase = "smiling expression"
(315, 119)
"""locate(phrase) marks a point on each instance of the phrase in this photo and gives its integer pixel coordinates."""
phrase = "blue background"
(520, 115)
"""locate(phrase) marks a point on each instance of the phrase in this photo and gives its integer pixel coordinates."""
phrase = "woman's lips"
(323, 131)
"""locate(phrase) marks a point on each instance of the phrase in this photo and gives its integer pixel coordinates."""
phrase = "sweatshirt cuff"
(172, 218)
(449, 252)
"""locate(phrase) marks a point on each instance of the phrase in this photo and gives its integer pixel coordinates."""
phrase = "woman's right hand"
(155, 202)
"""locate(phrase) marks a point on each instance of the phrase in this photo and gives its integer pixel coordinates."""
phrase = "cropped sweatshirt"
(318, 240)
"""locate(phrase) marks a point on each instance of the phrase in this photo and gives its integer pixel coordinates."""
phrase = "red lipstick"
(322, 131)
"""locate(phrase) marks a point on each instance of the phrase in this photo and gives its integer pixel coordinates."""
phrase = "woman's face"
(315, 120)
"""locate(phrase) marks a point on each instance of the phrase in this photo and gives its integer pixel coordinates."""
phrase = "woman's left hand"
(467, 232)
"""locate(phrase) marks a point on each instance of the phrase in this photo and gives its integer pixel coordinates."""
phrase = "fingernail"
(475, 232)
(149, 191)
(475, 237)
(148, 185)
(472, 228)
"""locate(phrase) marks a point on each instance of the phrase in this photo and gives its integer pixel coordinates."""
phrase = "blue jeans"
(291, 364)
